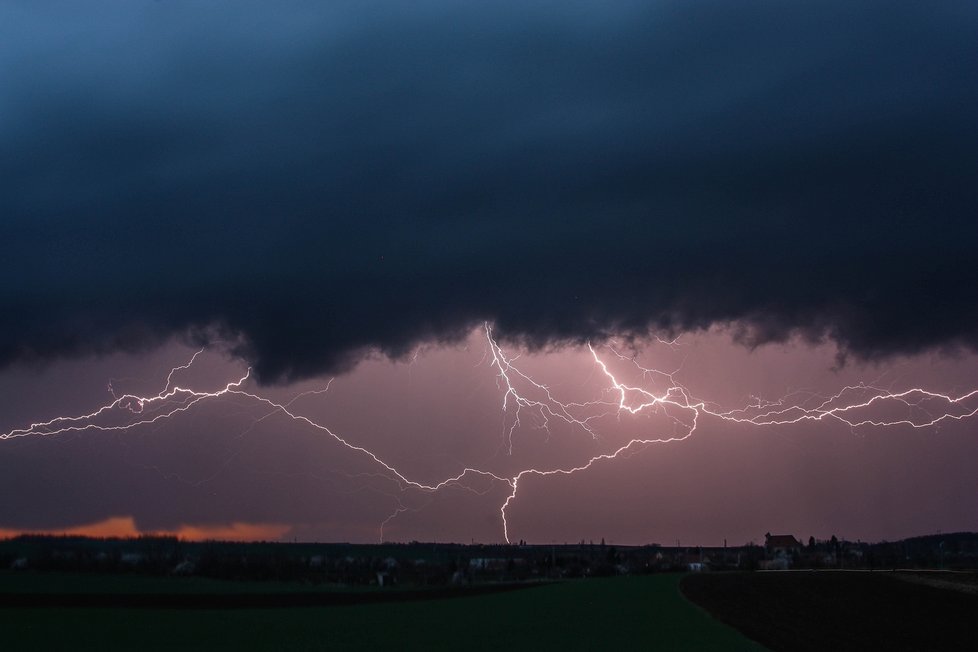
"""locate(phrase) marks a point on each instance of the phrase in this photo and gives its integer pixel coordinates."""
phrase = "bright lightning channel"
(843, 407)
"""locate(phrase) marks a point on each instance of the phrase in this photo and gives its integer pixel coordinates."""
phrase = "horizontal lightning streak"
(539, 399)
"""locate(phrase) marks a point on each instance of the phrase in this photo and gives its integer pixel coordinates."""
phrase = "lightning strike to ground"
(662, 394)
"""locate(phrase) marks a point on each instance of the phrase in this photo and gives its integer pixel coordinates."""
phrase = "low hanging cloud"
(323, 178)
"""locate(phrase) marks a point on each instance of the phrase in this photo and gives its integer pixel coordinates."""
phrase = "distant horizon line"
(502, 544)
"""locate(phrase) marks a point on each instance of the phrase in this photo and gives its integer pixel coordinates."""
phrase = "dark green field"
(629, 613)
(93, 583)
(31, 585)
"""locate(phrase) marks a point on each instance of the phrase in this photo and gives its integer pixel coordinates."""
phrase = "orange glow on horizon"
(125, 526)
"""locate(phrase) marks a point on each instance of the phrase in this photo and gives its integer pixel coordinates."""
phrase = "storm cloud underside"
(323, 180)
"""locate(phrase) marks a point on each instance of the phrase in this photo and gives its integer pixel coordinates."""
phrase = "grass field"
(95, 583)
(629, 613)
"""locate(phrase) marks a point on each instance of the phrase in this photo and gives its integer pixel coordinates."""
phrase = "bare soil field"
(838, 610)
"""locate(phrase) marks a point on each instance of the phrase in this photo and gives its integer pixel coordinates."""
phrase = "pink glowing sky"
(221, 470)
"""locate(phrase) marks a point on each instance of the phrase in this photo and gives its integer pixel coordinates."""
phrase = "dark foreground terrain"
(241, 599)
(838, 610)
(621, 613)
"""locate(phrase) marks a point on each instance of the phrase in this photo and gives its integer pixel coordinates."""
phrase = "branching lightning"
(661, 394)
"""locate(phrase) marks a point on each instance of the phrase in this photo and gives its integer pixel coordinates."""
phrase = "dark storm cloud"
(331, 176)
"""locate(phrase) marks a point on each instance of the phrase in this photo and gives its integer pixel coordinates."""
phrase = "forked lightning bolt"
(521, 393)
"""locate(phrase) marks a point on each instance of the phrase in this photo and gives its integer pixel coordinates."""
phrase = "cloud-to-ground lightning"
(659, 392)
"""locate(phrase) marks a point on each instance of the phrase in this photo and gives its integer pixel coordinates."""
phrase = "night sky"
(386, 214)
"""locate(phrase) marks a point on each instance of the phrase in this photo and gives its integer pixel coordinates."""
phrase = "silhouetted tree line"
(428, 564)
